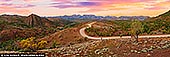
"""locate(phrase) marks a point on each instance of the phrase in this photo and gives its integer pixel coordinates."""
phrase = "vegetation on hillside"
(155, 25)
(118, 28)
(30, 44)
(21, 44)
(14, 27)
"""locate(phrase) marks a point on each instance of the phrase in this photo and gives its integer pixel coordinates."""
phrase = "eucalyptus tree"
(136, 29)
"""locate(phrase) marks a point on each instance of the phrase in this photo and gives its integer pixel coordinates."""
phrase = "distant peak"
(34, 15)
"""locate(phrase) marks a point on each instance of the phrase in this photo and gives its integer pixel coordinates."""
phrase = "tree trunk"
(133, 38)
(136, 38)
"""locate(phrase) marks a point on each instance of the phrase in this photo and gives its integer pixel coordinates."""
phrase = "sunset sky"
(96, 7)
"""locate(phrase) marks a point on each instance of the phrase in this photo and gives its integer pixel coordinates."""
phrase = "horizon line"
(71, 15)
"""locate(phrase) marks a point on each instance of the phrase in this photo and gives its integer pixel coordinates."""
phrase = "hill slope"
(164, 16)
(36, 21)
(12, 18)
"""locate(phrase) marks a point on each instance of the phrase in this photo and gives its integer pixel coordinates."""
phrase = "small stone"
(66, 54)
(139, 52)
(153, 47)
(105, 49)
(140, 42)
(135, 51)
(158, 47)
(163, 42)
(77, 54)
(145, 42)
(132, 51)
(148, 54)
(111, 53)
(79, 49)
(164, 47)
(143, 50)
(150, 49)
(166, 41)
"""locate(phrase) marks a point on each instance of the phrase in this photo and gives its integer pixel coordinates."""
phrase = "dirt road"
(82, 32)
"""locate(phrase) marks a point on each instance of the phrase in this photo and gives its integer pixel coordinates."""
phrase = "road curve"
(82, 32)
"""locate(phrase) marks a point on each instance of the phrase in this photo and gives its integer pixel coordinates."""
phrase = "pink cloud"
(16, 5)
(121, 1)
(13, 10)
(155, 8)
(32, 0)
(28, 0)
(5, 0)
(95, 3)
(75, 4)
(24, 6)
(92, 10)
(6, 4)
(62, 1)
(159, 6)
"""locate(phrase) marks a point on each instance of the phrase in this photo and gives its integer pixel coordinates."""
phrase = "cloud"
(158, 5)
(74, 4)
(93, 3)
(24, 6)
(16, 5)
(13, 10)
(28, 1)
(6, 4)
(88, 3)
(155, 8)
(92, 10)
(5, 0)
(64, 6)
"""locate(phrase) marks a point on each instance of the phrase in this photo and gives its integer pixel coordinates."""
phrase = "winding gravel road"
(82, 32)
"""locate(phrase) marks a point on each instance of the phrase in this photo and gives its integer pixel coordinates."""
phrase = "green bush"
(9, 45)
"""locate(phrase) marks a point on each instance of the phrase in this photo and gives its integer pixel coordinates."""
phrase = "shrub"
(30, 44)
(42, 44)
(9, 45)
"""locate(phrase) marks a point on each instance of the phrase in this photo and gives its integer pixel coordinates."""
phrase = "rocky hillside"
(15, 26)
(165, 15)
(37, 21)
(12, 18)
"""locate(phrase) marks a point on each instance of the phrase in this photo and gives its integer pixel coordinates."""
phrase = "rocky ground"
(155, 47)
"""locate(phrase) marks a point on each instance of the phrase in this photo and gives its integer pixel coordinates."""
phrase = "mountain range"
(101, 17)
(72, 17)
